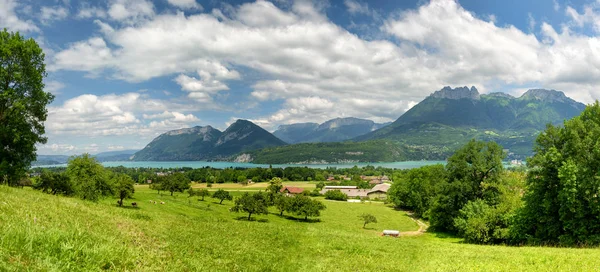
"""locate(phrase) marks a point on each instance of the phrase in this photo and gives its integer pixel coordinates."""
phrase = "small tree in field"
(177, 182)
(202, 193)
(255, 203)
(282, 203)
(275, 185)
(123, 187)
(222, 195)
(368, 218)
(191, 192)
(305, 206)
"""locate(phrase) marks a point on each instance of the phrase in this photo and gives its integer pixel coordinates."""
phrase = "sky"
(125, 71)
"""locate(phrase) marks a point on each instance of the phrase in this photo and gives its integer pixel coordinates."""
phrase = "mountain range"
(432, 130)
(207, 143)
(334, 130)
(441, 123)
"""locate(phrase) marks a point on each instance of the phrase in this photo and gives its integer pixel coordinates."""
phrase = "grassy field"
(40, 232)
(254, 186)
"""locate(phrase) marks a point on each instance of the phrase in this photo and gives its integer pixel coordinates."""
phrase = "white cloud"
(186, 4)
(10, 20)
(91, 115)
(590, 15)
(300, 54)
(354, 7)
(53, 86)
(130, 11)
(86, 11)
(556, 5)
(50, 14)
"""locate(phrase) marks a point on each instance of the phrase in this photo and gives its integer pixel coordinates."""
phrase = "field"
(41, 232)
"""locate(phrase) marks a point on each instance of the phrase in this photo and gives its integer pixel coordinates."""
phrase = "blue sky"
(125, 71)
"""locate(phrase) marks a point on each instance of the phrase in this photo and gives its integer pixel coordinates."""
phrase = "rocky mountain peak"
(457, 93)
(546, 95)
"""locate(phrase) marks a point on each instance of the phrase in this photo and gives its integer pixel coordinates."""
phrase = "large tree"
(123, 187)
(562, 201)
(22, 104)
(473, 173)
(255, 203)
(89, 177)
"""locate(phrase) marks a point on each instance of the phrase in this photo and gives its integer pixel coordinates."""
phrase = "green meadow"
(41, 232)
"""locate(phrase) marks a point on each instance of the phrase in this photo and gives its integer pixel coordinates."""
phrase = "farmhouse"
(379, 191)
(289, 190)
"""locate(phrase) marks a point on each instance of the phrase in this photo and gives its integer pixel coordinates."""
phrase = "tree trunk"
(306, 218)
(221, 201)
(249, 214)
(365, 225)
(202, 197)
(121, 203)
(171, 193)
(281, 213)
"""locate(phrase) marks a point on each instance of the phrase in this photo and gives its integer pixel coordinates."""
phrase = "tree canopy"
(22, 104)
(562, 202)
(90, 178)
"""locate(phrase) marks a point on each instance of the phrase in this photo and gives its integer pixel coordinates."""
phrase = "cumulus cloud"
(10, 20)
(53, 86)
(186, 4)
(110, 115)
(302, 57)
(50, 14)
(354, 7)
(130, 11)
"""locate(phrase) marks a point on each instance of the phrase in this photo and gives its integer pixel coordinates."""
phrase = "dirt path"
(422, 228)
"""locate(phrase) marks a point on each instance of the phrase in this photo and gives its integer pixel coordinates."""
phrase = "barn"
(289, 190)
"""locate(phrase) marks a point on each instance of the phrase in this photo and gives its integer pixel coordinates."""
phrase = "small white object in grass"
(391, 232)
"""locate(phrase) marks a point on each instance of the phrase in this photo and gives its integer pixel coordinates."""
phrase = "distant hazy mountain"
(441, 123)
(335, 130)
(207, 143)
(120, 155)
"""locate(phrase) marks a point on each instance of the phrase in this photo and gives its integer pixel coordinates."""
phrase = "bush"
(336, 195)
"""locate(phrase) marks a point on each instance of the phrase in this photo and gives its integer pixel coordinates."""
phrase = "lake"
(221, 165)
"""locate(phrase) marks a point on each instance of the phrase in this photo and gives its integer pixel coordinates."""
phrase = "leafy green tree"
(22, 104)
(473, 173)
(222, 195)
(90, 178)
(563, 185)
(416, 188)
(255, 203)
(275, 185)
(305, 206)
(368, 218)
(336, 195)
(54, 183)
(177, 182)
(123, 187)
(191, 192)
(241, 179)
(320, 185)
(202, 193)
(282, 203)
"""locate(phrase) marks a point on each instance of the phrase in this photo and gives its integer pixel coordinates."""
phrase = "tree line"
(556, 201)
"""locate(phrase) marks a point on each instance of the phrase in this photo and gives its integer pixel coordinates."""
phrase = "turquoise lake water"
(221, 165)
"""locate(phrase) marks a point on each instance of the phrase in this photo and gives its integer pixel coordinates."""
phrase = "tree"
(275, 185)
(282, 203)
(22, 104)
(305, 206)
(54, 183)
(416, 188)
(89, 177)
(123, 187)
(255, 203)
(191, 192)
(473, 173)
(336, 195)
(561, 204)
(222, 195)
(320, 185)
(368, 218)
(177, 182)
(202, 193)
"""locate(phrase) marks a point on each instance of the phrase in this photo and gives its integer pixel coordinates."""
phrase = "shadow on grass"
(252, 219)
(368, 228)
(128, 207)
(309, 220)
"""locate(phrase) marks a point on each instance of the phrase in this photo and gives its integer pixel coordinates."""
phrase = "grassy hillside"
(51, 233)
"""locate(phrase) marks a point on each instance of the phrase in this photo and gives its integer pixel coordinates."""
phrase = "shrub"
(336, 195)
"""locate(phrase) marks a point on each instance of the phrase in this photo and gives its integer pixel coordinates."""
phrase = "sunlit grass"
(53, 233)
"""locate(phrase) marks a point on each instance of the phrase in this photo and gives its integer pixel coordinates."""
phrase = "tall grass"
(40, 232)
